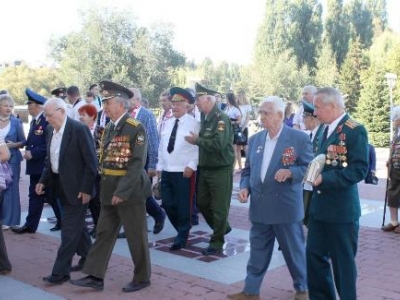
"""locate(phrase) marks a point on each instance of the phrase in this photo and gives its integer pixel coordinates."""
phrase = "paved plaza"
(186, 274)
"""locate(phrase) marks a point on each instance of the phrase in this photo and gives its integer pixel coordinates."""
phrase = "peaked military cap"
(109, 89)
(201, 90)
(179, 94)
(34, 97)
(308, 109)
(60, 92)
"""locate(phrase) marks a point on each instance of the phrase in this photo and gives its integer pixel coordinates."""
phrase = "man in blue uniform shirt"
(35, 156)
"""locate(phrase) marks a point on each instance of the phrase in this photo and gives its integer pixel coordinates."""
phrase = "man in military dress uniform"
(124, 189)
(61, 92)
(335, 210)
(35, 155)
(177, 163)
(216, 157)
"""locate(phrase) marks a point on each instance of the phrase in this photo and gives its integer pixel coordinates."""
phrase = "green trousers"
(214, 193)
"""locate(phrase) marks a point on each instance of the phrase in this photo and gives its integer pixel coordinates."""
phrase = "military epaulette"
(132, 122)
(352, 124)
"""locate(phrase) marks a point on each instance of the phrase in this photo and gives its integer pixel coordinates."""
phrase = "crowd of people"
(102, 152)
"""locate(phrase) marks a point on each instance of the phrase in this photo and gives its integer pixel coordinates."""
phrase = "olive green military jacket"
(122, 159)
(215, 140)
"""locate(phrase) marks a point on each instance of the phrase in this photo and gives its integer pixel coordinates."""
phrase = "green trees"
(111, 46)
(337, 30)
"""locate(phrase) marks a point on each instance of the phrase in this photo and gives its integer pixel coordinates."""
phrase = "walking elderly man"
(124, 189)
(275, 165)
(70, 171)
(216, 157)
(335, 209)
(177, 163)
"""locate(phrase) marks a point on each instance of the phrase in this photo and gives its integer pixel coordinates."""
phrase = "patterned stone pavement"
(186, 274)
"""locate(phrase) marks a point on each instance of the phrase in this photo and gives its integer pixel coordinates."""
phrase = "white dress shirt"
(184, 154)
(333, 125)
(55, 146)
(268, 151)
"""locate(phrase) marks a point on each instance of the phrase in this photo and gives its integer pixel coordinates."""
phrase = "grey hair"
(310, 89)
(57, 103)
(7, 97)
(331, 95)
(279, 104)
(125, 102)
(395, 113)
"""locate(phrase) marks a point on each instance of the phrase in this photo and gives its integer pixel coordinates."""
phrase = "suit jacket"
(77, 163)
(274, 202)
(122, 159)
(16, 134)
(336, 199)
(36, 144)
(149, 122)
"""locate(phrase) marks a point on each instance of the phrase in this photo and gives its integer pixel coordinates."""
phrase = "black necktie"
(33, 121)
(310, 135)
(325, 134)
(171, 142)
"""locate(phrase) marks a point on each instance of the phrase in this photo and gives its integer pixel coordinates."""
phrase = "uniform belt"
(114, 172)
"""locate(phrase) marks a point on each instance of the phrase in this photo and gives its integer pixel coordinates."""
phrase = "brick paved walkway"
(32, 256)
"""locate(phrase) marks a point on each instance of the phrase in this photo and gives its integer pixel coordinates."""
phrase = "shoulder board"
(352, 124)
(132, 122)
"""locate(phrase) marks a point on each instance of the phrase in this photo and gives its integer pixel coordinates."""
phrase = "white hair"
(56, 102)
(279, 104)
(395, 113)
(331, 95)
(310, 89)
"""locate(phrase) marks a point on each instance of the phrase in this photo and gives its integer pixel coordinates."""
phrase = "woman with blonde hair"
(12, 133)
(5, 179)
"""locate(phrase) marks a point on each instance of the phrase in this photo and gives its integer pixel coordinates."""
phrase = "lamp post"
(391, 81)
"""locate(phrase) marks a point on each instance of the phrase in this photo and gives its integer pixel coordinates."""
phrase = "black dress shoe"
(22, 229)
(56, 279)
(5, 271)
(159, 226)
(55, 228)
(211, 251)
(89, 281)
(135, 286)
(176, 246)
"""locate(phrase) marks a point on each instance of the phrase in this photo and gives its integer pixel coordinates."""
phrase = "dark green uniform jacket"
(215, 140)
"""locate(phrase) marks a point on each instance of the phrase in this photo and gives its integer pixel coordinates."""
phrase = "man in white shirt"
(74, 98)
(177, 161)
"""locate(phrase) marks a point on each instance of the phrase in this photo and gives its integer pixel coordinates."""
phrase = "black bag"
(371, 179)
(238, 136)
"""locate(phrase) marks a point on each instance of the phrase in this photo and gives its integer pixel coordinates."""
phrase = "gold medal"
(328, 161)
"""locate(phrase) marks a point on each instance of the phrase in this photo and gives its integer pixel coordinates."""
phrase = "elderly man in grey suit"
(275, 165)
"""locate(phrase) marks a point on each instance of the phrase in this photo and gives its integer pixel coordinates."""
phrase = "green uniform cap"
(201, 90)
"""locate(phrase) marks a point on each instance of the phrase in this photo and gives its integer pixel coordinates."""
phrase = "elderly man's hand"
(282, 175)
(243, 195)
(318, 180)
(192, 138)
(116, 200)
